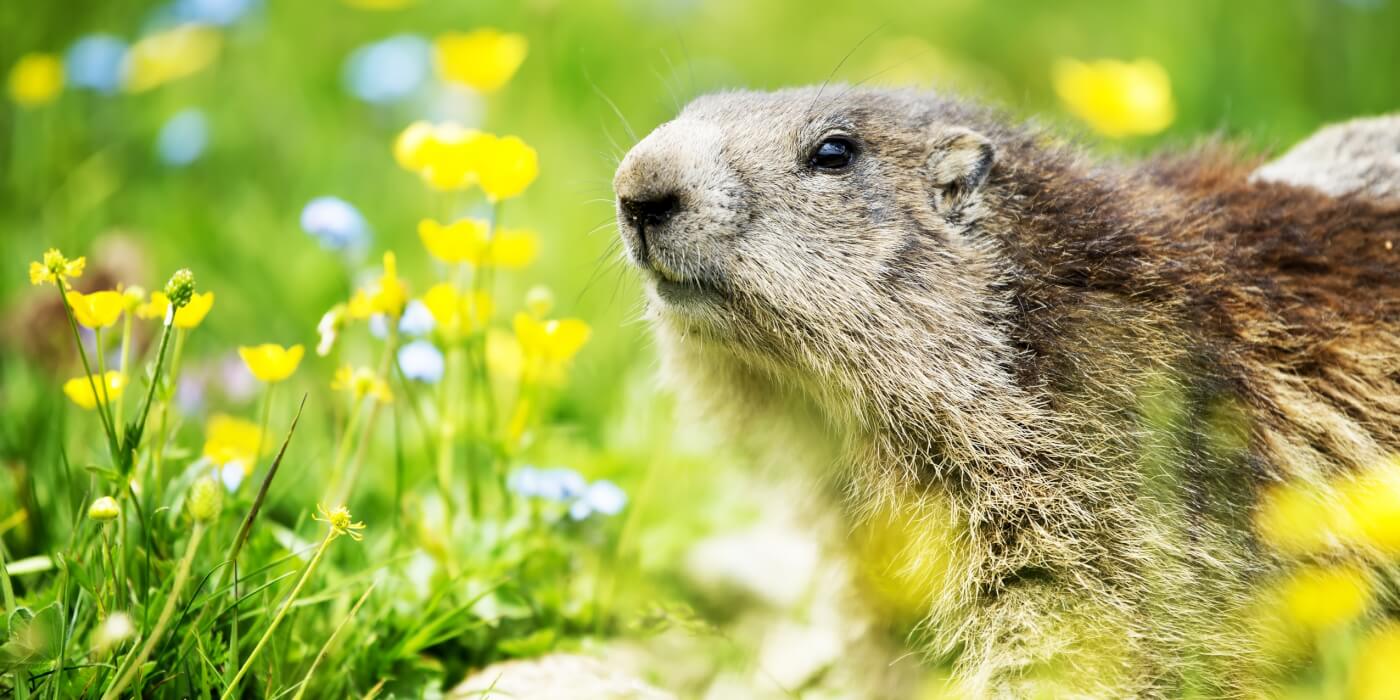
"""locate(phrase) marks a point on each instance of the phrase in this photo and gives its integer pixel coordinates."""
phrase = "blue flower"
(558, 484)
(421, 360)
(183, 137)
(602, 496)
(336, 223)
(95, 62)
(417, 319)
(217, 12)
(388, 70)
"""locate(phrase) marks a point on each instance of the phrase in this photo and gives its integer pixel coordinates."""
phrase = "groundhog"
(1058, 384)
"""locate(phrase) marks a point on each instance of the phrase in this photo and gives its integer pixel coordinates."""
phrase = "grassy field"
(487, 409)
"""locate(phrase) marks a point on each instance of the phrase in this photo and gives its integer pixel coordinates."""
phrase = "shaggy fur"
(1065, 380)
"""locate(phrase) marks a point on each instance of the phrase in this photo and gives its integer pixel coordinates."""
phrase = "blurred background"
(209, 158)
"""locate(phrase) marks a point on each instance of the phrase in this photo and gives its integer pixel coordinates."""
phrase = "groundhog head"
(832, 231)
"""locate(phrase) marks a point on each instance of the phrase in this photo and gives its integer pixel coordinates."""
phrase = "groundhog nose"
(651, 211)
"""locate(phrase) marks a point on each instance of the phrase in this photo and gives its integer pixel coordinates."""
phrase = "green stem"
(155, 376)
(281, 613)
(163, 416)
(262, 426)
(352, 470)
(306, 681)
(87, 369)
(182, 575)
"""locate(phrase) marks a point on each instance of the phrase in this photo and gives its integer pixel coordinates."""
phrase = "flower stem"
(182, 575)
(353, 468)
(87, 369)
(306, 682)
(126, 353)
(281, 613)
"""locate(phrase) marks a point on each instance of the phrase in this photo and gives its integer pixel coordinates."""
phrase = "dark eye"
(835, 153)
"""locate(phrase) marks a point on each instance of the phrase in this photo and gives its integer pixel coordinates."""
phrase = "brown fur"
(1070, 376)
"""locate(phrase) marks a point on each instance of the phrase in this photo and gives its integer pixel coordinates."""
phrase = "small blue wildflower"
(216, 12)
(557, 484)
(388, 70)
(416, 320)
(421, 360)
(602, 496)
(183, 137)
(95, 62)
(232, 475)
(334, 222)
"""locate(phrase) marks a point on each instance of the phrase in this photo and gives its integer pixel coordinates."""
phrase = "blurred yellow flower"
(554, 341)
(1300, 518)
(445, 155)
(505, 359)
(470, 241)
(387, 295)
(271, 363)
(1372, 500)
(1373, 675)
(1320, 597)
(55, 267)
(229, 439)
(484, 59)
(413, 146)
(339, 521)
(188, 316)
(1116, 98)
(170, 55)
(455, 313)
(36, 79)
(97, 310)
(132, 299)
(79, 389)
(507, 166)
(360, 383)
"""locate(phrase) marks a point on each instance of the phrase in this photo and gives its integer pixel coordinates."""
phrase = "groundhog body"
(1061, 382)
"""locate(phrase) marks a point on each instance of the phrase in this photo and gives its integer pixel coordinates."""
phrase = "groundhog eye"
(835, 153)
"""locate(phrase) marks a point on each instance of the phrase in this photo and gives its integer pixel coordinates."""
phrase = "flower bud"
(104, 509)
(114, 630)
(206, 500)
(539, 301)
(180, 289)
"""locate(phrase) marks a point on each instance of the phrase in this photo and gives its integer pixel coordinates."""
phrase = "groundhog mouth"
(686, 292)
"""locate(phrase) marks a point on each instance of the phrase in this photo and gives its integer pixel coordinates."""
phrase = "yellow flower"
(171, 55)
(339, 521)
(1372, 500)
(470, 241)
(188, 316)
(79, 389)
(387, 295)
(507, 166)
(36, 79)
(555, 341)
(455, 313)
(484, 59)
(132, 298)
(1373, 675)
(360, 383)
(229, 439)
(97, 310)
(271, 363)
(445, 155)
(1300, 518)
(1321, 597)
(1116, 98)
(55, 267)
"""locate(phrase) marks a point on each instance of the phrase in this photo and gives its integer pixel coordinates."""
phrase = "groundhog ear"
(959, 161)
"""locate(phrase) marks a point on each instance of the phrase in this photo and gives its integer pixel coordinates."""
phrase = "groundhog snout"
(675, 199)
